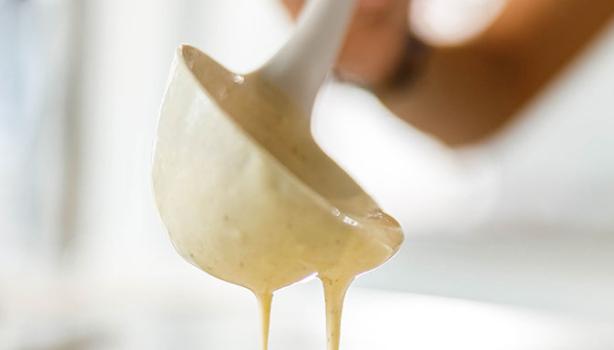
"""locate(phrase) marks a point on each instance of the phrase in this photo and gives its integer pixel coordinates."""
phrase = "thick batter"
(248, 196)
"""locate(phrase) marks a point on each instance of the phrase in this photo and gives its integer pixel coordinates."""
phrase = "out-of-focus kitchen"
(509, 242)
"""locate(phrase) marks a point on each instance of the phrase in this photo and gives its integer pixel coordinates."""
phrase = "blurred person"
(485, 127)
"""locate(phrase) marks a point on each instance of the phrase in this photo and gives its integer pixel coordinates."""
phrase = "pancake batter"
(249, 197)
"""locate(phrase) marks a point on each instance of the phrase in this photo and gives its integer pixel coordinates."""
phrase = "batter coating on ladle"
(248, 196)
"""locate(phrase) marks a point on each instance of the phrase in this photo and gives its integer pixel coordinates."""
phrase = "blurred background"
(510, 239)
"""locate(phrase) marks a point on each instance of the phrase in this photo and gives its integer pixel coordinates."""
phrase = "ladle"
(245, 192)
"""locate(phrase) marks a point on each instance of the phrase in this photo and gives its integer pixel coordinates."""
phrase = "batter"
(248, 196)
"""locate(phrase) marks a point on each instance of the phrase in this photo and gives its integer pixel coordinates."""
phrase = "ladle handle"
(301, 66)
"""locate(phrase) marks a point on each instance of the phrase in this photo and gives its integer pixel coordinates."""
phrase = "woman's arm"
(468, 92)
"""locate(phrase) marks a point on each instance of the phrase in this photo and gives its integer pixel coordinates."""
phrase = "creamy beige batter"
(248, 196)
